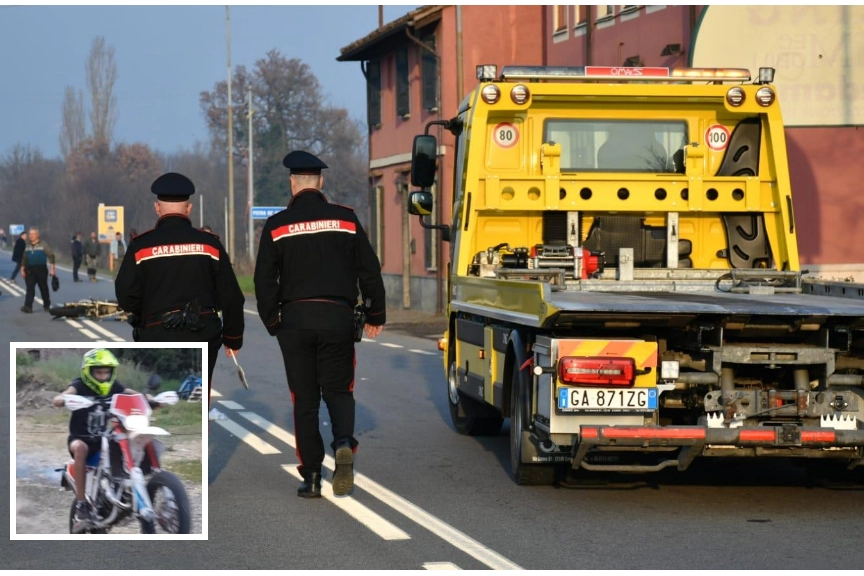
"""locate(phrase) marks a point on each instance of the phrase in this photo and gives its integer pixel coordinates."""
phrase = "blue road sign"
(264, 212)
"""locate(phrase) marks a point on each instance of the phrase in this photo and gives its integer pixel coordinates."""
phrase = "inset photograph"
(109, 441)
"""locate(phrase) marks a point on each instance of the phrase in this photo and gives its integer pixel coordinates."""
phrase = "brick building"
(419, 67)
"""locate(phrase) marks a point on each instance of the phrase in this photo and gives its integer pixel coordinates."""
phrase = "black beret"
(173, 187)
(300, 162)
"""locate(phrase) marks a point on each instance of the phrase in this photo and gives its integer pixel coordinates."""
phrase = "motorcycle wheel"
(173, 514)
(72, 523)
(67, 311)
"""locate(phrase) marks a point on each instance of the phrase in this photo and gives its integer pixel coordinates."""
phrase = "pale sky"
(165, 55)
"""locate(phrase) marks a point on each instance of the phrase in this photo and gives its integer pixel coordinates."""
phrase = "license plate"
(601, 399)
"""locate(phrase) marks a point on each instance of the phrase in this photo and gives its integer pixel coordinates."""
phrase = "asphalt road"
(428, 498)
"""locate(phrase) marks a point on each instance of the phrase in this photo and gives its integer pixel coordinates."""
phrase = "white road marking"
(422, 352)
(104, 331)
(440, 566)
(411, 511)
(388, 345)
(81, 329)
(15, 289)
(438, 527)
(231, 405)
(356, 510)
(214, 393)
(247, 437)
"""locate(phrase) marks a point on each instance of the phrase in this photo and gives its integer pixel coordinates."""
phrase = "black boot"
(311, 486)
(343, 475)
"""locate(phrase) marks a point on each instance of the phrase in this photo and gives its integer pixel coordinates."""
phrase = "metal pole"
(230, 207)
(226, 218)
(250, 186)
(201, 212)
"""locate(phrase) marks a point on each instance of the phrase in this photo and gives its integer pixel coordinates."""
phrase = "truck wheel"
(524, 474)
(463, 409)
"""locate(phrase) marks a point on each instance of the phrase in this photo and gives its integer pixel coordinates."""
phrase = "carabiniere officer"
(174, 279)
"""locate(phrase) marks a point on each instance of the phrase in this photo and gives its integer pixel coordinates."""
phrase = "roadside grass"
(188, 470)
(247, 283)
(182, 418)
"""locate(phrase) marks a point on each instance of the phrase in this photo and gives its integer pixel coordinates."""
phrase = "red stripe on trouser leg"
(296, 440)
(351, 389)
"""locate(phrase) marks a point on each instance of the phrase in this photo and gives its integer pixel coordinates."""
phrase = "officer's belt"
(159, 318)
(332, 299)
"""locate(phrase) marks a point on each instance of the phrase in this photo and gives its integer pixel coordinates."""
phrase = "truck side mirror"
(423, 159)
(420, 204)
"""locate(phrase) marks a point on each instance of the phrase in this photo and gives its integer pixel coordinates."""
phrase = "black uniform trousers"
(37, 275)
(319, 362)
(76, 265)
(211, 334)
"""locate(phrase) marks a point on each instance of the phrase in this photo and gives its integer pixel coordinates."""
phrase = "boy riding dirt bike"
(98, 380)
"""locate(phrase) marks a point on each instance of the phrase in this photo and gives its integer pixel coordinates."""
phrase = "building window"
(605, 12)
(376, 221)
(430, 75)
(373, 92)
(577, 16)
(629, 8)
(403, 107)
(559, 18)
(430, 237)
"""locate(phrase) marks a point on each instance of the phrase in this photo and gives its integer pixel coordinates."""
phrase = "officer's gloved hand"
(274, 329)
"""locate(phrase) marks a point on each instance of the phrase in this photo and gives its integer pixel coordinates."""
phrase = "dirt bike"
(116, 487)
(89, 308)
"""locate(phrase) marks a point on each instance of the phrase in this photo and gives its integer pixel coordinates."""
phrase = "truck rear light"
(597, 371)
(490, 93)
(765, 96)
(520, 94)
(735, 96)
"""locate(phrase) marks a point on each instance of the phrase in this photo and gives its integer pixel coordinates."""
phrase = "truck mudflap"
(785, 440)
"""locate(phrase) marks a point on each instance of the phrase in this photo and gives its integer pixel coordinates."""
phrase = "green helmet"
(99, 358)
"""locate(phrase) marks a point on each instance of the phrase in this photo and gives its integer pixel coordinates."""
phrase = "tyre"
(524, 474)
(464, 411)
(171, 504)
(72, 523)
(68, 311)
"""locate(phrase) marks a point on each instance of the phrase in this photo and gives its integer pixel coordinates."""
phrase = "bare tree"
(72, 130)
(101, 75)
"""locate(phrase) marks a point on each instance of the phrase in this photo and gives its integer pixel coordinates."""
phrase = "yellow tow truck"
(624, 282)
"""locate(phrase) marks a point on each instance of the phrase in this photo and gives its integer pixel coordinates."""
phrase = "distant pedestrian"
(18, 253)
(118, 250)
(34, 270)
(92, 249)
(77, 256)
(4, 240)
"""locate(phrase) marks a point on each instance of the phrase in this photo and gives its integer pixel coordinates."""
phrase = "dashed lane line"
(423, 352)
(81, 329)
(247, 437)
(356, 510)
(411, 511)
(104, 331)
(389, 345)
(231, 405)
(440, 566)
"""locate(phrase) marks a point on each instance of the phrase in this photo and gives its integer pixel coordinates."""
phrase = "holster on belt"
(359, 321)
(188, 317)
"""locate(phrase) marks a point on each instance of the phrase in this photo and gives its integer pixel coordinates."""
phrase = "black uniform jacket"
(169, 266)
(315, 249)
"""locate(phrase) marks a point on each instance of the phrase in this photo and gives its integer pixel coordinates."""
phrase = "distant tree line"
(290, 111)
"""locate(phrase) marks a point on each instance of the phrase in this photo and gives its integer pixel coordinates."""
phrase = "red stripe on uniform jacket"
(167, 250)
(313, 227)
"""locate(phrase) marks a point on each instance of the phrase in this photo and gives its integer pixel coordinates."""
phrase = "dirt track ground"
(42, 506)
